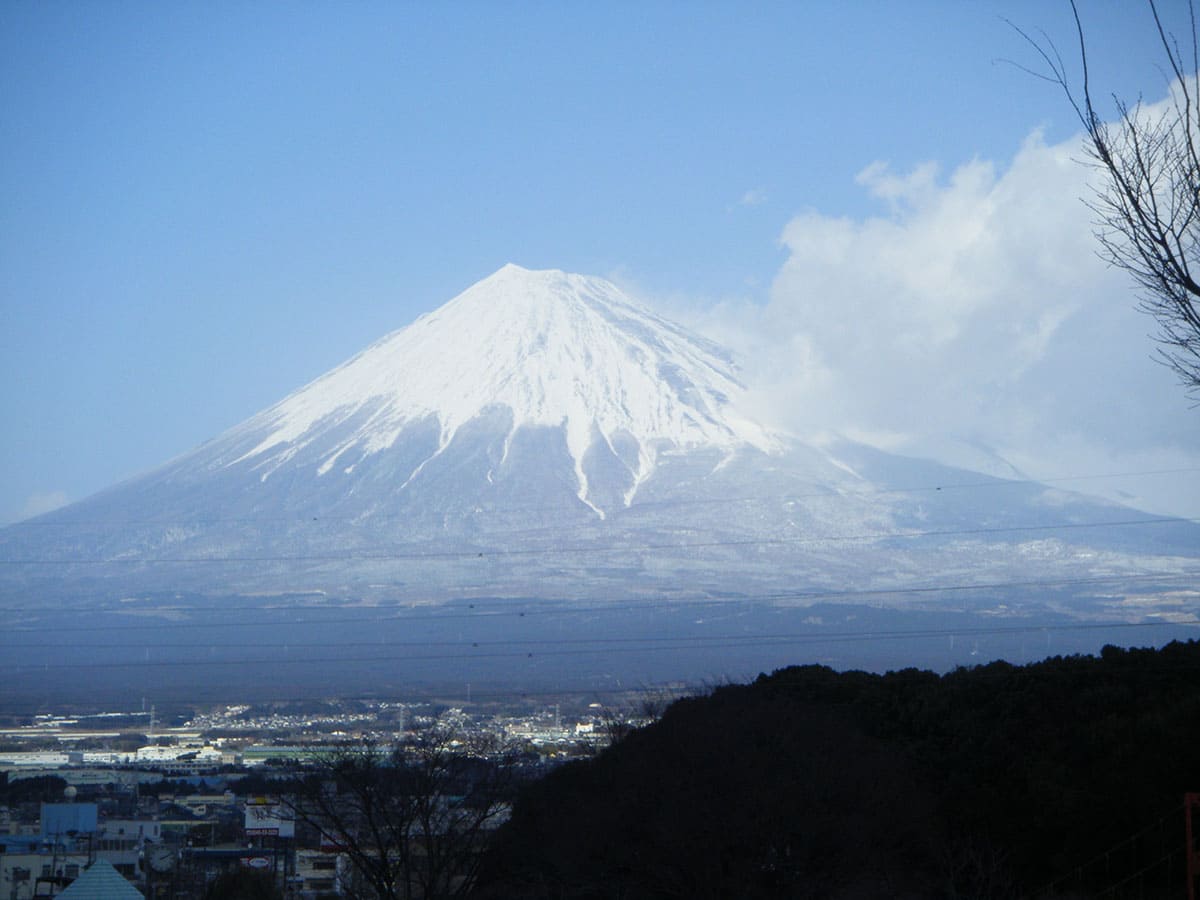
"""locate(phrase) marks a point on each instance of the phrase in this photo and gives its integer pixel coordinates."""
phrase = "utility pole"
(1191, 802)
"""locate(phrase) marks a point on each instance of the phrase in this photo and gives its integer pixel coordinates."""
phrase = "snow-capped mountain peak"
(544, 439)
(554, 349)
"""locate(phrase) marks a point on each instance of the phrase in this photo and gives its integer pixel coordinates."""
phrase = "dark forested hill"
(1063, 778)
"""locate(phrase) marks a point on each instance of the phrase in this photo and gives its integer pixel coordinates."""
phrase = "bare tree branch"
(1147, 205)
(410, 819)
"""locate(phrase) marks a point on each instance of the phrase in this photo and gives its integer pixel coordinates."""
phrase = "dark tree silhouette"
(743, 793)
(1147, 205)
(243, 884)
(410, 818)
(1054, 780)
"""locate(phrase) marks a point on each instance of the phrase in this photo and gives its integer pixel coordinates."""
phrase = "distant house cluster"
(85, 811)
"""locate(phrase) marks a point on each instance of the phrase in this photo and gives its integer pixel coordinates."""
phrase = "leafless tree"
(1147, 204)
(635, 710)
(411, 819)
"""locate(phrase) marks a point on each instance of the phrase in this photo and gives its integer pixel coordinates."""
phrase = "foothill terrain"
(1070, 777)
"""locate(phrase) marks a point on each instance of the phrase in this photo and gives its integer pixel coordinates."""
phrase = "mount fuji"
(543, 443)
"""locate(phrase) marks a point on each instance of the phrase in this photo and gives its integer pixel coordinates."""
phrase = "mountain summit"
(543, 481)
(544, 435)
(544, 349)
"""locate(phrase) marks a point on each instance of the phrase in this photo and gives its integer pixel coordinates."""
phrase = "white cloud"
(39, 503)
(974, 312)
(752, 197)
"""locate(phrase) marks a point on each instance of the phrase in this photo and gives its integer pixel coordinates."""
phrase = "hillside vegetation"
(1060, 779)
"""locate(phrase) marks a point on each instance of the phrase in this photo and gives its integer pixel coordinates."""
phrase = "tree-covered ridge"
(996, 781)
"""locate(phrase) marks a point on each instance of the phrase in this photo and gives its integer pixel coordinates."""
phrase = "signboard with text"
(265, 819)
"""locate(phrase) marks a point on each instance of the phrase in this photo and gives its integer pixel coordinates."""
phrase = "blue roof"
(100, 881)
(59, 819)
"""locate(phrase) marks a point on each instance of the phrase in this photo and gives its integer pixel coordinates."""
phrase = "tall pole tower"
(1191, 803)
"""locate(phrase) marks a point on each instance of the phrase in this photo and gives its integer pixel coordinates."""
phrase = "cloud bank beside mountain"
(972, 320)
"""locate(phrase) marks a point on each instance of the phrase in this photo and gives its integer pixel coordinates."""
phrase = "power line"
(790, 638)
(501, 607)
(219, 694)
(1077, 871)
(486, 553)
(643, 645)
(642, 504)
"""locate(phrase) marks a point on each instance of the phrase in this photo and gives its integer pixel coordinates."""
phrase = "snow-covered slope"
(543, 435)
(554, 349)
(543, 483)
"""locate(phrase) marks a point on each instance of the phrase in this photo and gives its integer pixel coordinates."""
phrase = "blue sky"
(205, 206)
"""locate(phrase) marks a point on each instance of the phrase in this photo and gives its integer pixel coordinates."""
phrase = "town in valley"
(173, 799)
